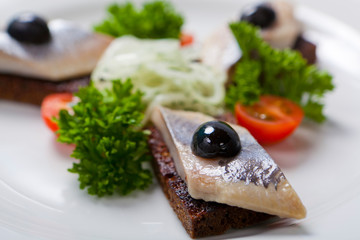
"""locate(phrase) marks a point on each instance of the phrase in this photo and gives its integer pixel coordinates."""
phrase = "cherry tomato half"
(186, 39)
(270, 120)
(51, 106)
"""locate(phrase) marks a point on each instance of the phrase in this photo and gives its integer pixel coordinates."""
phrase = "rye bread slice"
(33, 91)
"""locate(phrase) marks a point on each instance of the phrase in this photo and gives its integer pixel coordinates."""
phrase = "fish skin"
(71, 52)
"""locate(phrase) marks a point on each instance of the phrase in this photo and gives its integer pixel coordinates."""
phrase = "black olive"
(215, 139)
(29, 28)
(262, 15)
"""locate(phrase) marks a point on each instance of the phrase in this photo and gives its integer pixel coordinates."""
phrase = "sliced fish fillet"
(250, 180)
(72, 52)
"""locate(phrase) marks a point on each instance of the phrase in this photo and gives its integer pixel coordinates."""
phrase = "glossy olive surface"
(29, 28)
(215, 139)
(262, 15)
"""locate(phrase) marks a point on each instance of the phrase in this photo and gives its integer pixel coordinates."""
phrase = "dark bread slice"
(32, 90)
(199, 218)
(306, 48)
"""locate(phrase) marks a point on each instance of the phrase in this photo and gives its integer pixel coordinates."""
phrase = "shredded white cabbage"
(166, 73)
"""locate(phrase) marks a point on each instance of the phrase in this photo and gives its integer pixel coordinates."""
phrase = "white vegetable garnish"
(165, 72)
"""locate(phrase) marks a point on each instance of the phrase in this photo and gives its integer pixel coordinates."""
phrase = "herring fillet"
(72, 52)
(250, 180)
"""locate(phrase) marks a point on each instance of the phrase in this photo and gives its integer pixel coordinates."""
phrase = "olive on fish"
(215, 139)
(262, 15)
(29, 28)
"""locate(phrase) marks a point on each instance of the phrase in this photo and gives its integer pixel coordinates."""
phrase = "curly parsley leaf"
(265, 70)
(111, 149)
(156, 19)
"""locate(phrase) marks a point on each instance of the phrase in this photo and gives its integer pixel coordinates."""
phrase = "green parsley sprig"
(156, 19)
(111, 148)
(265, 70)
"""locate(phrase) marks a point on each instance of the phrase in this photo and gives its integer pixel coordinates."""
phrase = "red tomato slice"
(186, 39)
(270, 120)
(51, 106)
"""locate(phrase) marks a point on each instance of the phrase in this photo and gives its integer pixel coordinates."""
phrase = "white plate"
(39, 199)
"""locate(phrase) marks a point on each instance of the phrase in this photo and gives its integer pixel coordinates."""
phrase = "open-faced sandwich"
(38, 58)
(278, 26)
(215, 175)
